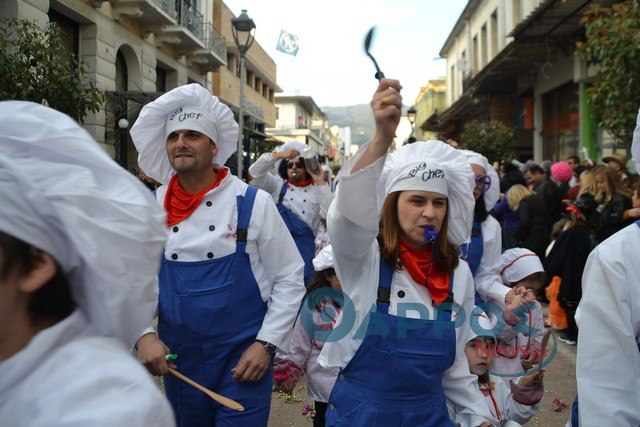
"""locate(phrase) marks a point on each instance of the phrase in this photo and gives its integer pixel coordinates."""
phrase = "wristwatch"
(268, 347)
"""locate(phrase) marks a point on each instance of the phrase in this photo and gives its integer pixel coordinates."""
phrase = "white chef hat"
(63, 194)
(518, 263)
(492, 195)
(481, 325)
(289, 145)
(438, 167)
(635, 146)
(324, 259)
(188, 107)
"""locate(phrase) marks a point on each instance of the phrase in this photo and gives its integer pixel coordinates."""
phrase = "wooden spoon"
(229, 403)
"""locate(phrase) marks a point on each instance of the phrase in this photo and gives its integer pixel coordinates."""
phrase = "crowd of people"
(408, 289)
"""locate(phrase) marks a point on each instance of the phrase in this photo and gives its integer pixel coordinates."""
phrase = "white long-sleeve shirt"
(276, 264)
(303, 353)
(487, 280)
(353, 227)
(608, 363)
(503, 403)
(507, 360)
(69, 376)
(308, 203)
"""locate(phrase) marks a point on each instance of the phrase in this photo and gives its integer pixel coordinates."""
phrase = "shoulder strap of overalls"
(283, 191)
(384, 286)
(245, 207)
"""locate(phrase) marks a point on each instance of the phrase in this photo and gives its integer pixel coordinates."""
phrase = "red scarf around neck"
(418, 263)
(180, 204)
(302, 183)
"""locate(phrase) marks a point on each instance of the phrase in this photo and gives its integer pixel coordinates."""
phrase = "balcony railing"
(189, 17)
(215, 42)
(147, 13)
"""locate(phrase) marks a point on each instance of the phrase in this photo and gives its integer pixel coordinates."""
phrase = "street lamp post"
(243, 34)
(411, 115)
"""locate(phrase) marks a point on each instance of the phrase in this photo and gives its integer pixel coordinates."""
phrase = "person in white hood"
(80, 241)
(608, 318)
(517, 400)
(400, 340)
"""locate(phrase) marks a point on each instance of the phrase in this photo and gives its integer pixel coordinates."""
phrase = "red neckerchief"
(417, 263)
(180, 204)
(302, 183)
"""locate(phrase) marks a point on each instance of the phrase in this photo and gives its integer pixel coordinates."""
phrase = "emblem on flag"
(287, 43)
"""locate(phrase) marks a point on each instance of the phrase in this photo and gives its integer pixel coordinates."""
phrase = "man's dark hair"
(282, 169)
(578, 171)
(534, 168)
(54, 300)
(576, 159)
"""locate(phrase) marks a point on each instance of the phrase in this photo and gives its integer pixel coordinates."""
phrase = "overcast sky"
(331, 65)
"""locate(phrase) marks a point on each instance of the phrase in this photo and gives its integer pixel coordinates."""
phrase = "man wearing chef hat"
(80, 240)
(231, 277)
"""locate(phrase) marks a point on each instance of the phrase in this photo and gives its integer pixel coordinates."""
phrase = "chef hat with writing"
(492, 195)
(63, 194)
(518, 263)
(437, 167)
(188, 107)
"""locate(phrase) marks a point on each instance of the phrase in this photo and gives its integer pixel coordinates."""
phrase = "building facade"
(135, 52)
(430, 102)
(515, 62)
(258, 107)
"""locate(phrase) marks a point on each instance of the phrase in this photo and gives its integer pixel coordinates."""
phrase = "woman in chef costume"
(400, 341)
(80, 245)
(482, 250)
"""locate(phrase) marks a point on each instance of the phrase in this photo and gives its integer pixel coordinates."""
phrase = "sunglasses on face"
(483, 183)
(299, 164)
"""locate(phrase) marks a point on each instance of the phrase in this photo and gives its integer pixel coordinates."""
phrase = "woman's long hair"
(517, 194)
(614, 185)
(445, 256)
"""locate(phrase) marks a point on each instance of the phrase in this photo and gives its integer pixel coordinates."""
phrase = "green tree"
(612, 41)
(494, 140)
(35, 66)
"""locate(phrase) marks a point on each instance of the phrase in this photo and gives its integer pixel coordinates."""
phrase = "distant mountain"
(358, 117)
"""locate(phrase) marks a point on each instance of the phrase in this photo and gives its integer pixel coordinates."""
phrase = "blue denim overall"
(302, 235)
(396, 380)
(209, 313)
(472, 253)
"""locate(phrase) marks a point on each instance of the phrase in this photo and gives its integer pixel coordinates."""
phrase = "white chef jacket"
(353, 227)
(308, 203)
(513, 343)
(69, 376)
(502, 404)
(487, 280)
(277, 266)
(303, 353)
(608, 363)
